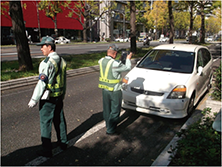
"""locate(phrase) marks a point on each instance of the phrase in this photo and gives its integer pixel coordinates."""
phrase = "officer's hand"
(129, 55)
(32, 104)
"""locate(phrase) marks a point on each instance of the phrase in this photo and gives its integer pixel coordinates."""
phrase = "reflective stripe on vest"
(106, 83)
(57, 88)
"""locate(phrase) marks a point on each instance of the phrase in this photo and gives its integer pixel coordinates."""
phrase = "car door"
(207, 66)
(200, 78)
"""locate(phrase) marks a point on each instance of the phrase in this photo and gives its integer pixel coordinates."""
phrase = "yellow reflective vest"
(57, 87)
(106, 79)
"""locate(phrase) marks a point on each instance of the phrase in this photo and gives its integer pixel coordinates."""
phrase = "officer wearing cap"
(50, 92)
(110, 83)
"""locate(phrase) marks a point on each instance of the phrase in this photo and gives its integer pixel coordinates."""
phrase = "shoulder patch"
(43, 77)
(46, 59)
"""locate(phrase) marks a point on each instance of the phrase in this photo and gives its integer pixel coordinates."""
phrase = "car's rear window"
(168, 60)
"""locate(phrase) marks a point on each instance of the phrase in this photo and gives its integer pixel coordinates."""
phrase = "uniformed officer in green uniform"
(50, 92)
(110, 83)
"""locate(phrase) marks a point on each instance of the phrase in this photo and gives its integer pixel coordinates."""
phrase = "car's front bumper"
(155, 105)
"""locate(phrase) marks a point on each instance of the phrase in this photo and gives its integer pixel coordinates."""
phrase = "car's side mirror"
(200, 71)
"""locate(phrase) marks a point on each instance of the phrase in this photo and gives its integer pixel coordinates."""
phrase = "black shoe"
(63, 146)
(44, 153)
(112, 134)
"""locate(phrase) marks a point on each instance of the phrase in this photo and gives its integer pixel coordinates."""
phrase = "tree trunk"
(55, 23)
(84, 27)
(171, 21)
(202, 28)
(24, 58)
(84, 32)
(191, 22)
(38, 20)
(133, 26)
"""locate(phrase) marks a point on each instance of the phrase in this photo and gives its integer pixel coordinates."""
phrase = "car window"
(206, 56)
(203, 57)
(168, 60)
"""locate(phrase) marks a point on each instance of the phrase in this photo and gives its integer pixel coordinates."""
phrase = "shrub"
(216, 94)
(199, 144)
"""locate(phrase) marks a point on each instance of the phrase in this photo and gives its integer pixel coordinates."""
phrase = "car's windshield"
(169, 60)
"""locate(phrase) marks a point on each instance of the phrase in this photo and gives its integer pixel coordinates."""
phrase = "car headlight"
(178, 92)
(125, 83)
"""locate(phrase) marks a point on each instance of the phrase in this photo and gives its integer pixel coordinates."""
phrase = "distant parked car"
(141, 38)
(122, 40)
(210, 38)
(169, 80)
(164, 39)
(61, 40)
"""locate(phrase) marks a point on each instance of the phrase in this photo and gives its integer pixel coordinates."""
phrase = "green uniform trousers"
(111, 108)
(52, 111)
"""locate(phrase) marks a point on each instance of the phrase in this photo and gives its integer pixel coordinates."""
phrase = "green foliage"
(9, 70)
(181, 20)
(199, 144)
(157, 18)
(217, 85)
(51, 8)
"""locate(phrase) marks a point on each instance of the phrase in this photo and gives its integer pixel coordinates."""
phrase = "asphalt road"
(142, 136)
(10, 53)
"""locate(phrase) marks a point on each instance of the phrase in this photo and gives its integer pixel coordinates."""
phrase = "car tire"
(210, 83)
(191, 105)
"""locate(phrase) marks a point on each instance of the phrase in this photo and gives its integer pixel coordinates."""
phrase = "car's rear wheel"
(191, 105)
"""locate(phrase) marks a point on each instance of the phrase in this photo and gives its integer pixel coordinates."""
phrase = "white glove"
(32, 103)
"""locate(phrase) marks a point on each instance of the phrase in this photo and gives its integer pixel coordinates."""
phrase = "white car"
(164, 39)
(122, 40)
(61, 40)
(169, 80)
(210, 38)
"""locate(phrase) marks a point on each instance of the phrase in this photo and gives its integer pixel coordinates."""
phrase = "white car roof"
(180, 47)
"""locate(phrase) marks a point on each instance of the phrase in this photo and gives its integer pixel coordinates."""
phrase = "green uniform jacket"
(47, 72)
(117, 68)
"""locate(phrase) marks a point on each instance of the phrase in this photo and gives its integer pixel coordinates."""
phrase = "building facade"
(36, 23)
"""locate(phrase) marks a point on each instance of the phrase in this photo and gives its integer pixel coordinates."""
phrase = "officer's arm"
(45, 74)
(120, 67)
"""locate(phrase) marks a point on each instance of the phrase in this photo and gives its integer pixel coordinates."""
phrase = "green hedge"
(217, 84)
(199, 144)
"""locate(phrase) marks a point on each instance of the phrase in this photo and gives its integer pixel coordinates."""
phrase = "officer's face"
(46, 49)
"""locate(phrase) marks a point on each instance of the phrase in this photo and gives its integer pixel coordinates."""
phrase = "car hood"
(155, 80)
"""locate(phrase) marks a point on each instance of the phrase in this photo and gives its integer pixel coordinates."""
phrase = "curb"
(164, 158)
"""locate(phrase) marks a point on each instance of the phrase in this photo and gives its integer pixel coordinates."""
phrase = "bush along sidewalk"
(199, 144)
(216, 94)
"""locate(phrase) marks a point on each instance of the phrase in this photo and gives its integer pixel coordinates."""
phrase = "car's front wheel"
(191, 105)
